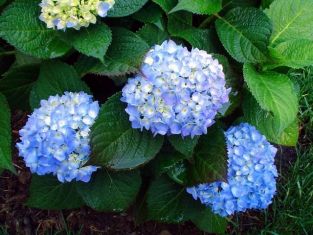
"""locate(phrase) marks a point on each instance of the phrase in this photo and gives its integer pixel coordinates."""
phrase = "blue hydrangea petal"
(251, 177)
(55, 139)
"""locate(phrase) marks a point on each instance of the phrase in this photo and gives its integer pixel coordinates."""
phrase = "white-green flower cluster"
(62, 14)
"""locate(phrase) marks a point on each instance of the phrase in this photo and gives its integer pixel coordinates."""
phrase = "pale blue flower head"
(55, 139)
(177, 92)
(251, 177)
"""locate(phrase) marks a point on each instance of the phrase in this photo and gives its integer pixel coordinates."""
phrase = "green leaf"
(274, 92)
(124, 55)
(185, 146)
(269, 125)
(55, 78)
(180, 25)
(209, 222)
(92, 41)
(111, 191)
(116, 144)
(292, 19)
(152, 34)
(179, 172)
(46, 192)
(199, 6)
(245, 33)
(166, 160)
(5, 136)
(21, 27)
(126, 7)
(166, 5)
(166, 201)
(210, 157)
(296, 53)
(17, 84)
(151, 13)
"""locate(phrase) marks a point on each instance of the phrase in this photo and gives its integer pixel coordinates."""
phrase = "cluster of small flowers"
(55, 138)
(251, 174)
(177, 92)
(62, 14)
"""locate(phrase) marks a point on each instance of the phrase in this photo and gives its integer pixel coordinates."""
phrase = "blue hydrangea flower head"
(177, 92)
(62, 14)
(251, 176)
(55, 139)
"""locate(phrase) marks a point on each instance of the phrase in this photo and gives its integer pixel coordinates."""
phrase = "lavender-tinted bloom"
(177, 92)
(55, 139)
(251, 182)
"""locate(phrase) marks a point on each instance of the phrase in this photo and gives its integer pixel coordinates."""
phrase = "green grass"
(292, 210)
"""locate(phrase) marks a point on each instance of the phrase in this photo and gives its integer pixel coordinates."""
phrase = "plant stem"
(4, 53)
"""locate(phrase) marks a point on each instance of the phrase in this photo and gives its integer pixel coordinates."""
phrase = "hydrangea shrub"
(202, 94)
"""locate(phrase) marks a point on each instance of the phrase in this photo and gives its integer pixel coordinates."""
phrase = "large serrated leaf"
(115, 144)
(185, 146)
(199, 6)
(5, 136)
(126, 7)
(124, 55)
(296, 53)
(55, 78)
(180, 25)
(152, 34)
(17, 84)
(292, 19)
(245, 33)
(92, 41)
(46, 192)
(166, 201)
(269, 125)
(21, 27)
(274, 92)
(111, 191)
(166, 5)
(207, 221)
(210, 157)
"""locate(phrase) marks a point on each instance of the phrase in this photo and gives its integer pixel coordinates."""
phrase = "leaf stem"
(4, 53)
(206, 21)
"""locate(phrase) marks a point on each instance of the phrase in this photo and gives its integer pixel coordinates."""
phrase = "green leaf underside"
(21, 27)
(126, 7)
(55, 78)
(110, 191)
(292, 19)
(296, 53)
(124, 55)
(5, 135)
(274, 92)
(210, 157)
(92, 41)
(116, 144)
(17, 84)
(245, 33)
(269, 125)
(46, 192)
(199, 6)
